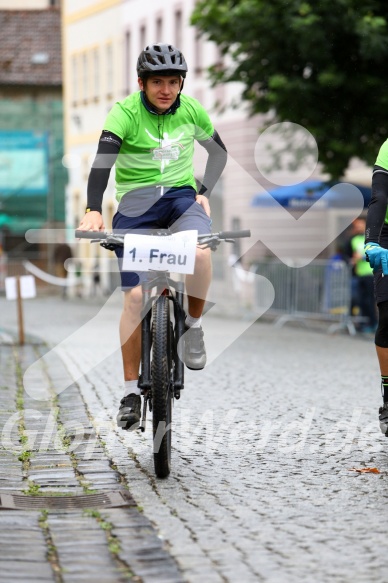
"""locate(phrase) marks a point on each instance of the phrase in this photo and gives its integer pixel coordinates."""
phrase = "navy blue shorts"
(146, 209)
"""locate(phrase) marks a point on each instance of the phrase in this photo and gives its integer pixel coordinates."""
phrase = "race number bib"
(175, 252)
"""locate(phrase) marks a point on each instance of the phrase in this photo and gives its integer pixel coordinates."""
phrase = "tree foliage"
(319, 64)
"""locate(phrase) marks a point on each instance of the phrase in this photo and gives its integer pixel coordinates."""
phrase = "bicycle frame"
(174, 290)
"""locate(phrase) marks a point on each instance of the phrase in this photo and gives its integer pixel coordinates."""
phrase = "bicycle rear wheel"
(161, 383)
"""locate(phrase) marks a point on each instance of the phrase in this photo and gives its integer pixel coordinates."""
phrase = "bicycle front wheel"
(161, 383)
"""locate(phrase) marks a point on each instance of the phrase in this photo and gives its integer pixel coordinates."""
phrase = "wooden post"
(20, 311)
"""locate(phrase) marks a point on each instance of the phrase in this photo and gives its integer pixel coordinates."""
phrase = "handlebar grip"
(90, 234)
(234, 234)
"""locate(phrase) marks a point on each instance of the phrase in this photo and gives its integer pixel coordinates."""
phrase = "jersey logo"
(169, 149)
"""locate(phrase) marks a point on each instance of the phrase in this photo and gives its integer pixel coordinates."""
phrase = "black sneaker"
(128, 416)
(383, 419)
(195, 353)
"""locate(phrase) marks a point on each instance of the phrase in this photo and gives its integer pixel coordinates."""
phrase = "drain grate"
(101, 500)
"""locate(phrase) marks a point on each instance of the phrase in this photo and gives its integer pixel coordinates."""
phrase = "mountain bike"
(161, 378)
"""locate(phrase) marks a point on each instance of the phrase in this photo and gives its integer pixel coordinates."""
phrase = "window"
(85, 167)
(85, 77)
(178, 29)
(159, 30)
(219, 58)
(109, 69)
(143, 36)
(198, 54)
(127, 62)
(74, 79)
(96, 73)
(76, 208)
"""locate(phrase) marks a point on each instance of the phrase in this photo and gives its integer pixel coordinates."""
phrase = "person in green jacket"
(363, 275)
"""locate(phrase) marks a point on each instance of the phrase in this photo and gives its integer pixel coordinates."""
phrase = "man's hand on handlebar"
(92, 221)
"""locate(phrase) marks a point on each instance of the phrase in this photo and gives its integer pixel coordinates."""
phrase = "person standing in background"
(363, 278)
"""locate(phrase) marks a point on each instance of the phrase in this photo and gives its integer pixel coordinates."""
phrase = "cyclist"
(150, 135)
(376, 248)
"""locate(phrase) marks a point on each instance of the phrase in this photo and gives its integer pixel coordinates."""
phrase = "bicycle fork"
(179, 316)
(146, 342)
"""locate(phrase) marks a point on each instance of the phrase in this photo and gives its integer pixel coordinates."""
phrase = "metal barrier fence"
(320, 290)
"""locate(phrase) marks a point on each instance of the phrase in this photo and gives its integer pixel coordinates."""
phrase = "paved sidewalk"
(38, 459)
(264, 443)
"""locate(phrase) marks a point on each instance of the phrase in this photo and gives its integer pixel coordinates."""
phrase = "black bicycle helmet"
(162, 59)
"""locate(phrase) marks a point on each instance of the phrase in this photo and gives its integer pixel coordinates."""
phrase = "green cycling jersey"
(156, 149)
(382, 160)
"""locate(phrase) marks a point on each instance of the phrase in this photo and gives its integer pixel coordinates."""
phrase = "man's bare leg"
(197, 286)
(130, 333)
(130, 338)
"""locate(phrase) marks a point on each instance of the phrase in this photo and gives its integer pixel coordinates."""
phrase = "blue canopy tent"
(305, 194)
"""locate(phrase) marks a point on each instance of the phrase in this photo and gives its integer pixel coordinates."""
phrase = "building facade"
(32, 177)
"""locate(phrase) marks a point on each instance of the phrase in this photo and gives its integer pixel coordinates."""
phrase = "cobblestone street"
(264, 441)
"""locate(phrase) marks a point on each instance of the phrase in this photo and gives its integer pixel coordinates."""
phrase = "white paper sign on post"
(175, 252)
(27, 287)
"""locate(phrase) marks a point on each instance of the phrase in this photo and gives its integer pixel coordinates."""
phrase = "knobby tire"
(161, 366)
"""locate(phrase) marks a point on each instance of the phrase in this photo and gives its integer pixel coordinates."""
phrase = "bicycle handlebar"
(117, 239)
(90, 234)
(233, 234)
(221, 235)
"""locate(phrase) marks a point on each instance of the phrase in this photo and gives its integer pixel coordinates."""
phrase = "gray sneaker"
(383, 419)
(195, 353)
(129, 413)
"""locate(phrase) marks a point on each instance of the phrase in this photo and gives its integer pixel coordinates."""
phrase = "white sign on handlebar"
(175, 252)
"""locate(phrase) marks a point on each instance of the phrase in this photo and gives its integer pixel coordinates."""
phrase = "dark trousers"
(367, 300)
